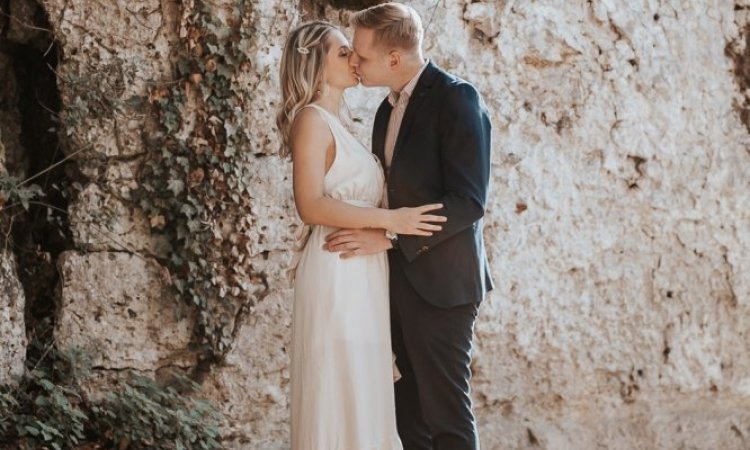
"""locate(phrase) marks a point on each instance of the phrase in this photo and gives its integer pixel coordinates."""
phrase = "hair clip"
(303, 50)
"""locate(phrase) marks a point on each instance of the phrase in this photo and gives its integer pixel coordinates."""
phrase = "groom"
(432, 134)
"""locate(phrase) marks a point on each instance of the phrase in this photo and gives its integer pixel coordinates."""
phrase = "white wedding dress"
(341, 372)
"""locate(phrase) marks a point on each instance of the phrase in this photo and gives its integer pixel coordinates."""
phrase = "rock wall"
(618, 223)
(618, 228)
(12, 324)
(102, 291)
(114, 302)
(12, 297)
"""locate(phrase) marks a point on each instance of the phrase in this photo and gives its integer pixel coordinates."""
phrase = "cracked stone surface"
(12, 323)
(617, 227)
(12, 297)
(739, 50)
(114, 296)
(618, 224)
(101, 221)
(115, 306)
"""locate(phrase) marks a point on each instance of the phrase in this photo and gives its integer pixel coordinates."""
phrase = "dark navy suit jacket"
(442, 155)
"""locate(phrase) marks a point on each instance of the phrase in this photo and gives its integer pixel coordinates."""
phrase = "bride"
(341, 360)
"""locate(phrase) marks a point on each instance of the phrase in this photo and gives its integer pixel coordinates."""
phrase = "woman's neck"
(331, 101)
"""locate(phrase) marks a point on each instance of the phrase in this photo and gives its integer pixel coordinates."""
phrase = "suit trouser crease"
(433, 353)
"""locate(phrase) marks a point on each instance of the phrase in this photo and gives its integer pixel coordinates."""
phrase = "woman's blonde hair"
(395, 25)
(301, 73)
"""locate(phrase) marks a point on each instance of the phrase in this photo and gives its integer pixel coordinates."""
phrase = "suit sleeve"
(465, 158)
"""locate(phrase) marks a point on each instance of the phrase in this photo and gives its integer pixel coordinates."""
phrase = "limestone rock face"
(12, 297)
(115, 300)
(618, 225)
(116, 308)
(252, 386)
(12, 324)
(101, 221)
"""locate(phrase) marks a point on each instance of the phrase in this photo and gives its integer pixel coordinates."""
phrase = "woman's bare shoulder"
(310, 126)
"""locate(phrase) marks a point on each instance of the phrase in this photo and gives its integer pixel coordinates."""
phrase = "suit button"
(424, 248)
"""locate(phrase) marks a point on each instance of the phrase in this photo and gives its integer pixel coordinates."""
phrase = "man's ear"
(394, 59)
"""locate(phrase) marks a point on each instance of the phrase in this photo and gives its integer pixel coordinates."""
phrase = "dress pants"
(433, 353)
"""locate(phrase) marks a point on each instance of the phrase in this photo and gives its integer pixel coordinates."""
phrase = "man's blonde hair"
(395, 25)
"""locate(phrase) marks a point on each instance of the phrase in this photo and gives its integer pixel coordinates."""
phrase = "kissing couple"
(391, 267)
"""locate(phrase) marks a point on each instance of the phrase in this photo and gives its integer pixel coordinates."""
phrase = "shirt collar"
(403, 96)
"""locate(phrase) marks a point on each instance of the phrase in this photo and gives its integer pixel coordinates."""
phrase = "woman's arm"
(313, 152)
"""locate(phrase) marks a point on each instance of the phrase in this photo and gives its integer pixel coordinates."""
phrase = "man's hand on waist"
(359, 242)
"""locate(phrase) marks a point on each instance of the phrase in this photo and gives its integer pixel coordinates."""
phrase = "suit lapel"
(379, 129)
(412, 108)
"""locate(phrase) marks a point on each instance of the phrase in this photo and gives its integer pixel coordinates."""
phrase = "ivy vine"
(194, 183)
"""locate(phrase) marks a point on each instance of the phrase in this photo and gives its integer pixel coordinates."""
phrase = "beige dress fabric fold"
(341, 360)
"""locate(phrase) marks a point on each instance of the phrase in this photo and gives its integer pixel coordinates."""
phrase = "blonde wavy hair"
(301, 73)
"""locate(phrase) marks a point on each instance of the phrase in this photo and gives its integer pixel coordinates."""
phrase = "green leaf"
(176, 186)
(230, 129)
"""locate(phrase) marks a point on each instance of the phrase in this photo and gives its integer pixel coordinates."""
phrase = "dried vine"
(194, 185)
